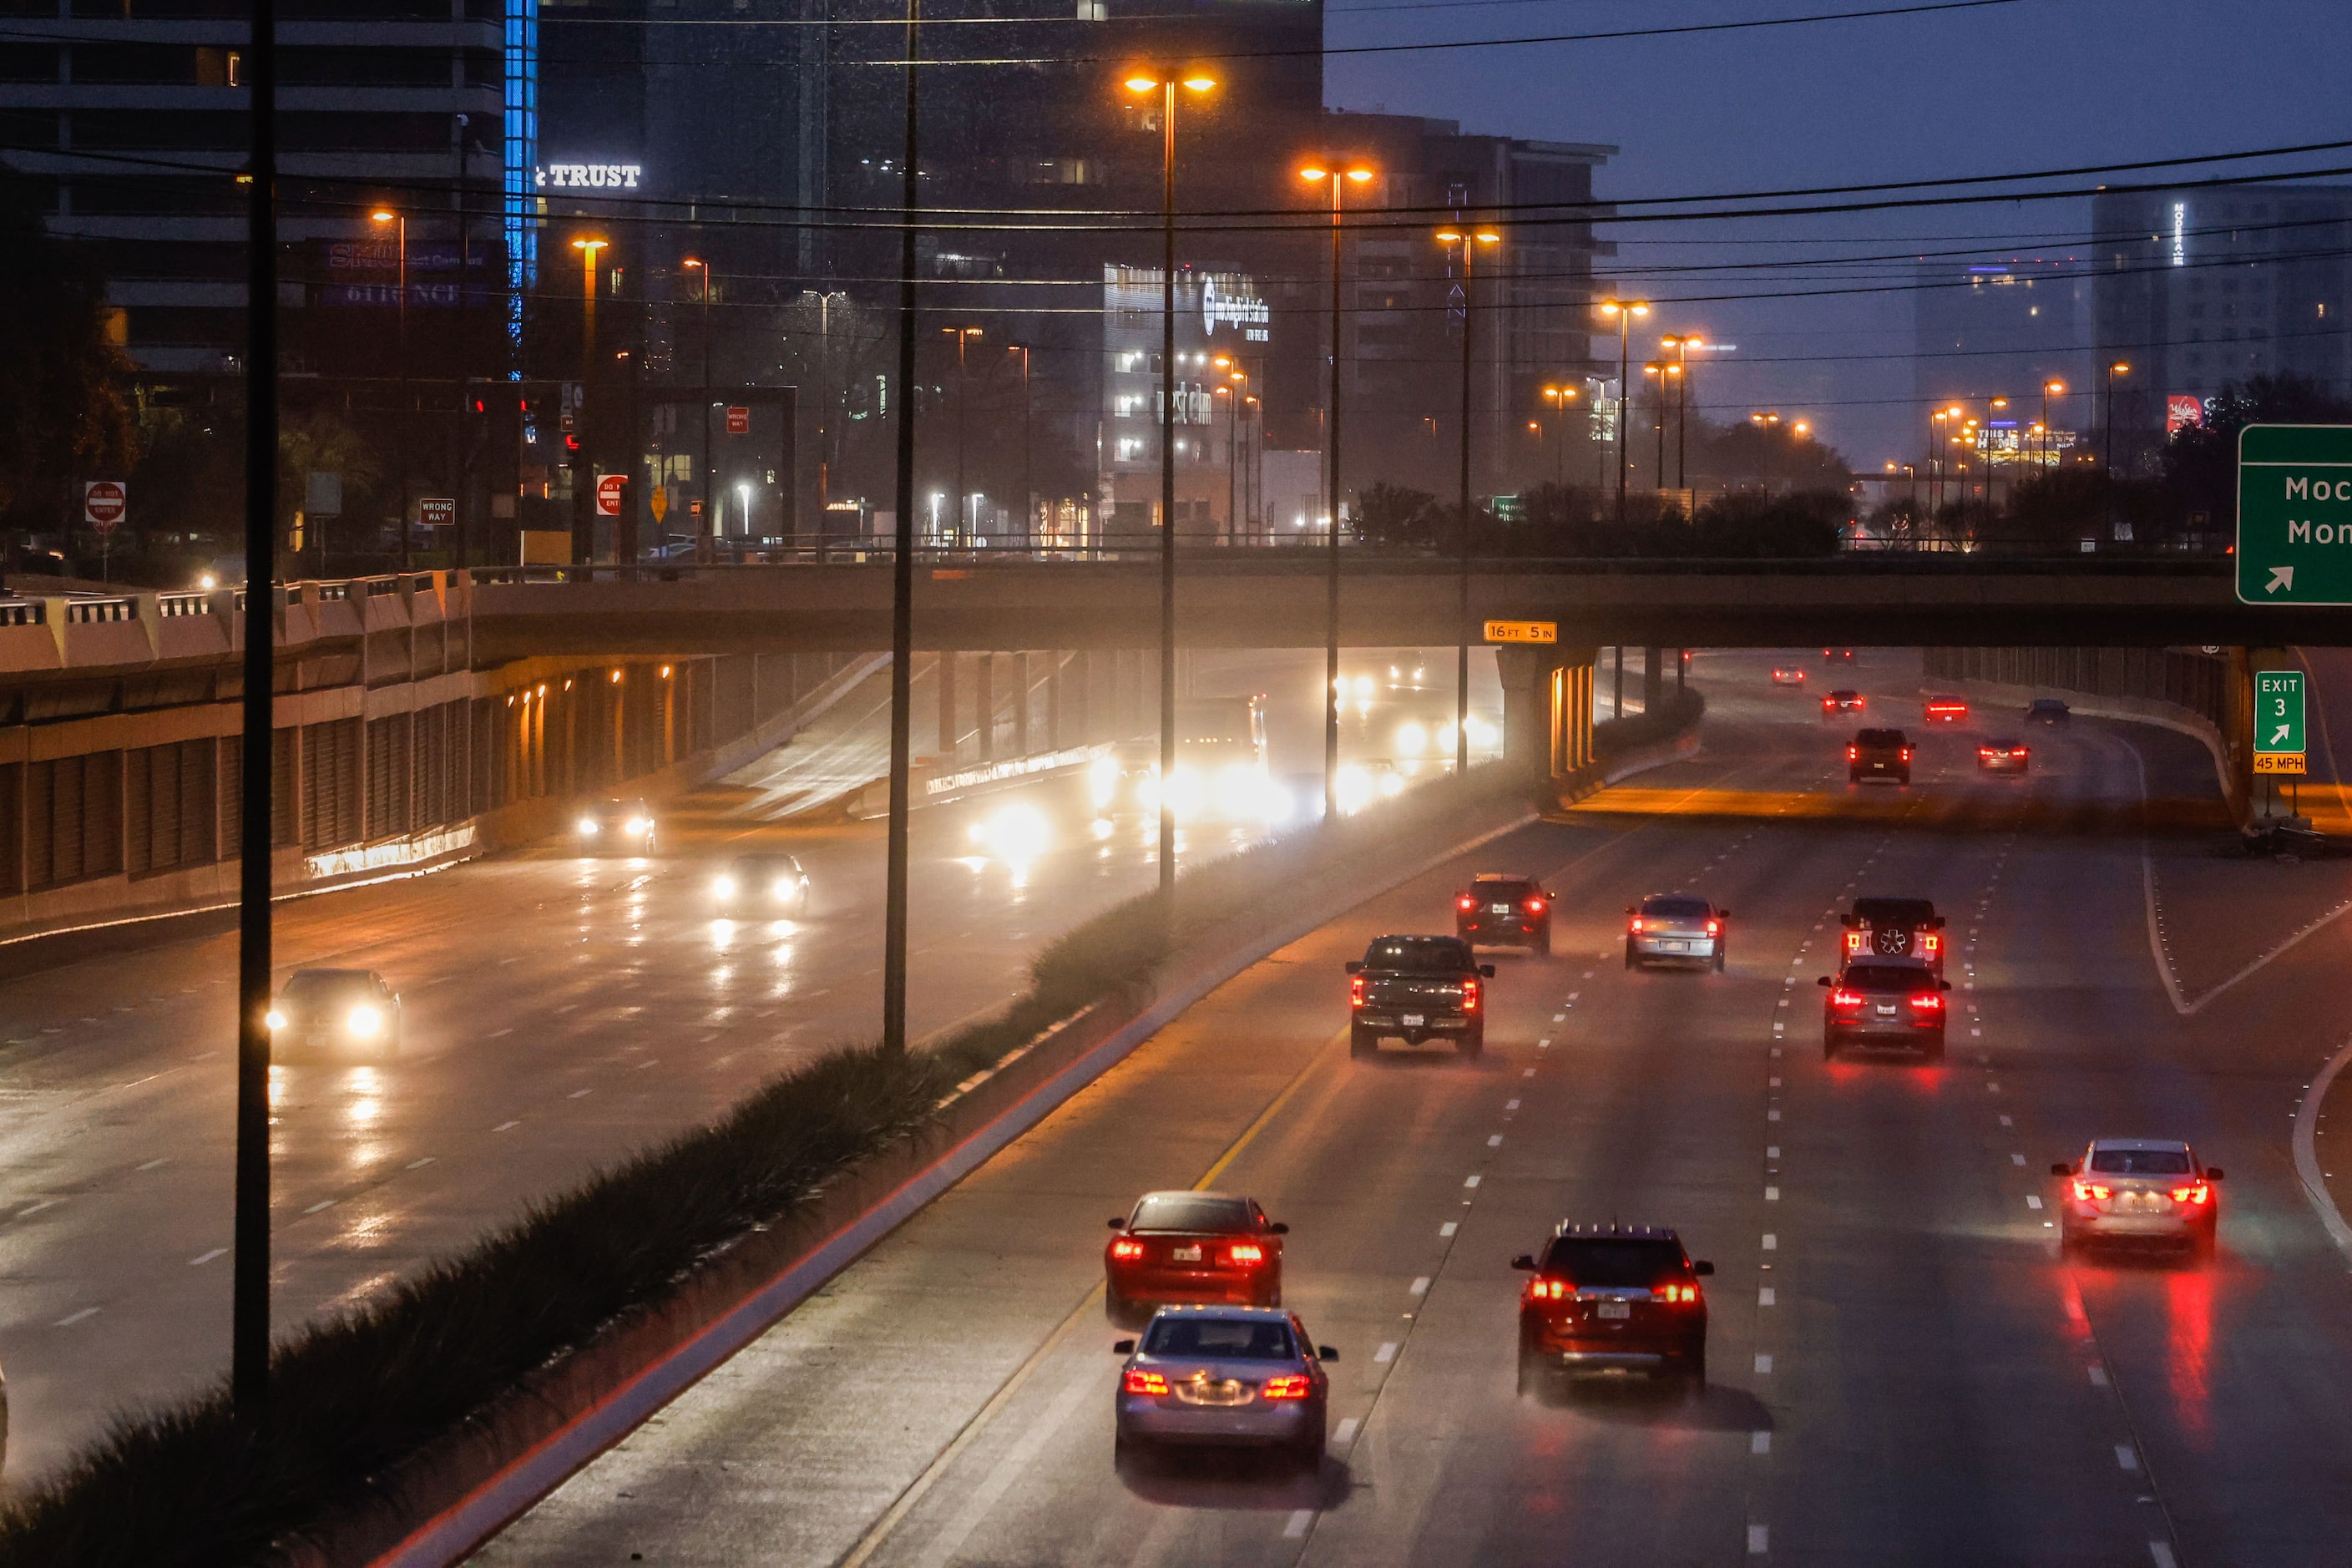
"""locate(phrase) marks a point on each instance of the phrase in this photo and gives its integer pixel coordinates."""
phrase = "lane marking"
(418, 1164)
(506, 1126)
(314, 1208)
(2306, 1152)
(36, 1208)
(1759, 1442)
(152, 1165)
(1386, 1354)
(1771, 1195)
(2125, 1457)
(1510, 1105)
(83, 1316)
(1529, 1073)
(1763, 1363)
(1759, 1540)
(1296, 1529)
(1447, 1229)
(1772, 1242)
(201, 1259)
(2162, 1555)
(1470, 1181)
(1419, 1286)
(2016, 1159)
(1346, 1432)
(1771, 1150)
(2098, 1375)
(1764, 1297)
(1495, 1142)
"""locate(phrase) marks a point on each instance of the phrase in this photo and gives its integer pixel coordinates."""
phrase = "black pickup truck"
(1417, 988)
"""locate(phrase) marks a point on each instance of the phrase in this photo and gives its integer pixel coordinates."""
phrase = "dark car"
(1244, 1376)
(1612, 1298)
(1878, 754)
(1504, 911)
(1675, 926)
(1945, 710)
(2003, 756)
(1417, 988)
(616, 828)
(760, 885)
(1894, 928)
(1192, 1247)
(1895, 1003)
(2047, 711)
(1841, 700)
(337, 1013)
(1837, 656)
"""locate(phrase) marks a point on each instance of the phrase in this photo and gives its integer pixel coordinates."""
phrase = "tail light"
(1929, 941)
(1853, 753)
(1675, 1295)
(1841, 997)
(1290, 1385)
(1469, 995)
(1535, 905)
(1927, 1001)
(1550, 1289)
(2087, 1192)
(1465, 903)
(2196, 1192)
(1856, 941)
(1985, 751)
(1142, 1379)
(1356, 991)
(2020, 752)
(1246, 1252)
(1714, 928)
(1906, 753)
(1637, 924)
(1126, 1250)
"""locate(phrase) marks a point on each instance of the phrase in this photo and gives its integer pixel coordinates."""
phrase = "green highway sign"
(2278, 712)
(2294, 514)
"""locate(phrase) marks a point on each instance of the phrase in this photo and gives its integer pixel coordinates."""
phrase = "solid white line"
(2306, 1152)
(1299, 1520)
(201, 1259)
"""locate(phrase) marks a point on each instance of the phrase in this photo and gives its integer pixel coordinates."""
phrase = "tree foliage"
(64, 407)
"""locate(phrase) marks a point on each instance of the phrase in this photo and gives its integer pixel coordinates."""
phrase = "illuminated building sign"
(590, 176)
(1236, 306)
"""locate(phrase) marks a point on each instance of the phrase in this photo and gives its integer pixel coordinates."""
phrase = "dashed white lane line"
(2032, 1201)
(506, 1126)
(1529, 1073)
(1469, 1181)
(1763, 1363)
(1759, 1442)
(1764, 1297)
(70, 1319)
(36, 1208)
(2162, 1555)
(1772, 1116)
(1510, 1105)
(1345, 1433)
(1419, 1286)
(579, 1094)
(153, 1165)
(1559, 1018)
(1494, 1140)
(501, 1033)
(1385, 1355)
(1447, 1229)
(1771, 1195)
(2125, 1457)
(2016, 1159)
(2005, 1121)
(322, 1204)
(418, 1164)
(1759, 1538)
(2098, 1375)
(1299, 1520)
(1772, 1242)
(201, 1259)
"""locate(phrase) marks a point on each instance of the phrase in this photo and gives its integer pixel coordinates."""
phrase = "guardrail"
(20, 613)
(86, 612)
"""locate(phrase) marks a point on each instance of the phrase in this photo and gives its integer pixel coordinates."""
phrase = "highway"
(1903, 1368)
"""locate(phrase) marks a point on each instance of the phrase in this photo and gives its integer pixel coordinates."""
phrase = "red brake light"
(1931, 1001)
(1841, 997)
(1466, 903)
(1677, 1295)
(1906, 753)
(1123, 1247)
(2195, 1194)
(1714, 927)
(1290, 1385)
(2088, 1191)
(1470, 996)
(1535, 905)
(1355, 991)
(1637, 923)
(2018, 752)
(1142, 1379)
(1852, 754)
(1246, 1252)
(1929, 941)
(1550, 1289)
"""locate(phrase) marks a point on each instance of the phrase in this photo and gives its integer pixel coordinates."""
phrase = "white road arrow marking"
(2281, 577)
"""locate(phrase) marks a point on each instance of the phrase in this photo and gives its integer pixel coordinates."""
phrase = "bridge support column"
(948, 706)
(1054, 721)
(1654, 678)
(983, 703)
(1547, 711)
(1021, 704)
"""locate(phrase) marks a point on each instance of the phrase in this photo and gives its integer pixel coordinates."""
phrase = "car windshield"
(327, 985)
(1881, 977)
(1193, 1212)
(765, 865)
(1893, 912)
(622, 808)
(1633, 1263)
(1672, 907)
(1221, 1339)
(2140, 1162)
(1418, 955)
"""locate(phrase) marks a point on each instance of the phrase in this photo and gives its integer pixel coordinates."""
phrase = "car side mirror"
(1847, 921)
(1629, 908)
(1117, 1224)
(1122, 1347)
(1940, 923)
(1524, 1261)
(1325, 1353)
(1702, 1268)
(1488, 970)
(1943, 985)
(1723, 914)
(1824, 980)
(1277, 1228)
(2059, 1168)
(1355, 966)
(2213, 1173)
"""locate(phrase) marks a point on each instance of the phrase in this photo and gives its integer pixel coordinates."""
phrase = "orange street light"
(1622, 311)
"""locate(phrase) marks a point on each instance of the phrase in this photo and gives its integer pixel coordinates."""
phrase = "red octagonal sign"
(608, 494)
(103, 504)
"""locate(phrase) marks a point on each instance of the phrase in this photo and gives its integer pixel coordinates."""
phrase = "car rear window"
(1886, 977)
(1418, 955)
(1878, 738)
(2139, 1161)
(1219, 1216)
(1221, 1339)
(2046, 705)
(1893, 912)
(1503, 887)
(1630, 1264)
(1671, 907)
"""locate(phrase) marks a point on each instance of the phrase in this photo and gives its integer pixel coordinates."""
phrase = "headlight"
(274, 1019)
(587, 827)
(363, 1021)
(784, 890)
(636, 825)
(1411, 740)
(1102, 781)
(724, 887)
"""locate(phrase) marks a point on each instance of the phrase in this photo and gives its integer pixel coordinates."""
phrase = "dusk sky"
(2039, 84)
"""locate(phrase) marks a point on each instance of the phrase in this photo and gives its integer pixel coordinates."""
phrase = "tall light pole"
(2049, 389)
(1340, 177)
(962, 335)
(1664, 372)
(1469, 240)
(1766, 421)
(399, 222)
(1028, 473)
(1165, 83)
(709, 459)
(902, 562)
(1622, 311)
(1560, 397)
(1237, 387)
(1681, 343)
(583, 473)
(2115, 370)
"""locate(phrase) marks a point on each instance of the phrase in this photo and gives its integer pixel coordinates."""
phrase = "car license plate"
(1613, 1309)
(1414, 1020)
(1673, 947)
(1499, 909)
(1185, 1254)
(1886, 1012)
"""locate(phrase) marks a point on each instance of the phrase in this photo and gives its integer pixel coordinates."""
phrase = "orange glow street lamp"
(1340, 173)
(1469, 240)
(1622, 311)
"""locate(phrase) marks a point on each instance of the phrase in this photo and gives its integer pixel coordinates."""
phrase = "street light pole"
(710, 460)
(902, 566)
(1028, 474)
(2109, 464)
(964, 394)
(1469, 240)
(1624, 312)
(1338, 177)
(583, 482)
(400, 441)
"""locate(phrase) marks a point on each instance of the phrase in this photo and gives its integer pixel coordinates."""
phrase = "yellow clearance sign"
(1523, 631)
(2278, 762)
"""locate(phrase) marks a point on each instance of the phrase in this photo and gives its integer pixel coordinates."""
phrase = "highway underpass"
(1903, 1368)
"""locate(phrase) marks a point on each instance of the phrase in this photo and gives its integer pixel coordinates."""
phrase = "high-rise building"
(1990, 333)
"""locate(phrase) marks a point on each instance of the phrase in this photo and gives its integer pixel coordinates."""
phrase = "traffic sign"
(659, 502)
(2283, 762)
(2278, 712)
(103, 503)
(437, 511)
(1523, 631)
(2294, 514)
(738, 421)
(609, 490)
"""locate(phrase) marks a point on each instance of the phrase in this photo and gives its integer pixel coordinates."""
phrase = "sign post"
(103, 504)
(2295, 515)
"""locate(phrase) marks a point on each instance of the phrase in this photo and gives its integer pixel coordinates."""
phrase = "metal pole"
(1624, 399)
(2109, 462)
(963, 396)
(1681, 417)
(710, 528)
(1028, 473)
(1232, 462)
(249, 1305)
(1168, 496)
(902, 577)
(1331, 550)
(1462, 597)
(407, 395)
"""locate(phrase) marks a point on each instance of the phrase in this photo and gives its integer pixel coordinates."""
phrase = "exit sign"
(2294, 514)
(2278, 712)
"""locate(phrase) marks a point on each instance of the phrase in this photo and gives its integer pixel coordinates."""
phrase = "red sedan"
(1181, 1248)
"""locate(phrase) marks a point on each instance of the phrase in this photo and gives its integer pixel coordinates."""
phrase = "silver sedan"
(1244, 1376)
(2145, 1190)
(1675, 926)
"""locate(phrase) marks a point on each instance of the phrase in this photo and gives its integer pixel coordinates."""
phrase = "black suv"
(1878, 754)
(1504, 911)
(1884, 1002)
(1417, 988)
(1612, 1298)
(1894, 928)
